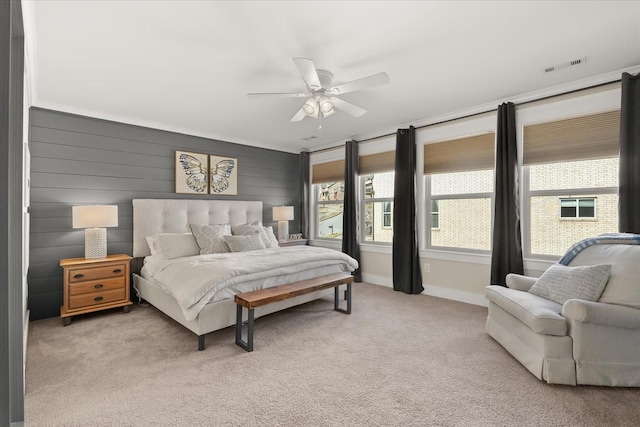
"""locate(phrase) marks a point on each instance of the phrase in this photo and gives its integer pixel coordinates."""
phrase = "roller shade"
(459, 155)
(379, 162)
(327, 172)
(579, 138)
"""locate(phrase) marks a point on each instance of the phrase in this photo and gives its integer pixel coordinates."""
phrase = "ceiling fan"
(322, 98)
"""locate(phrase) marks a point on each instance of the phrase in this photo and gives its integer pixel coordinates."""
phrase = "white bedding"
(197, 280)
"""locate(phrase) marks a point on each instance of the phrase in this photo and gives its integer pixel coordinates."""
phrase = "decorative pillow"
(247, 242)
(173, 245)
(210, 238)
(256, 227)
(150, 242)
(561, 283)
(271, 236)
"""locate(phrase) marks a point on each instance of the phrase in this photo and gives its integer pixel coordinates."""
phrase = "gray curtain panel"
(506, 253)
(305, 193)
(350, 217)
(629, 185)
(406, 260)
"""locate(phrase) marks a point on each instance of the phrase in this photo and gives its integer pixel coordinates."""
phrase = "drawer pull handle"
(78, 276)
(98, 298)
(98, 286)
(117, 270)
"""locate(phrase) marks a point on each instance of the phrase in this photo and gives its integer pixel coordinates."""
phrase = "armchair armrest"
(520, 282)
(601, 313)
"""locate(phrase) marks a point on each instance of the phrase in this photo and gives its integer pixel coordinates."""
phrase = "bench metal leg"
(248, 343)
(336, 299)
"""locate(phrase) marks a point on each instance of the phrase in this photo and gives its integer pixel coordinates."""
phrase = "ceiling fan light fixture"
(310, 107)
(326, 105)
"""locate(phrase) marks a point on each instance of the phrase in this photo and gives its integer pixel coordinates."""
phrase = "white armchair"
(579, 341)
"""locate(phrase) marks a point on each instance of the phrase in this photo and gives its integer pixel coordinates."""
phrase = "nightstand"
(95, 284)
(297, 242)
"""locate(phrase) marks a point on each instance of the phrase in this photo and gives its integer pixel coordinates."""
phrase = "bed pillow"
(271, 236)
(173, 245)
(561, 283)
(246, 242)
(210, 238)
(256, 227)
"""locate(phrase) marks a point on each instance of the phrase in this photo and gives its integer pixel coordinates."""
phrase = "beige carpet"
(397, 360)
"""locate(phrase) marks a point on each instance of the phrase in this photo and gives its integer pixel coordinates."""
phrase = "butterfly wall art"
(206, 174)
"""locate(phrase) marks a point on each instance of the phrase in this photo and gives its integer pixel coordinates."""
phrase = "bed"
(197, 291)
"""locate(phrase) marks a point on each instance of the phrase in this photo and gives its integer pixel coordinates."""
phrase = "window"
(459, 191)
(329, 196)
(328, 201)
(570, 164)
(387, 211)
(435, 215)
(378, 207)
(578, 208)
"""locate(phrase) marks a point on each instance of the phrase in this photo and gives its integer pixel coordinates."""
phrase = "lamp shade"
(94, 216)
(282, 213)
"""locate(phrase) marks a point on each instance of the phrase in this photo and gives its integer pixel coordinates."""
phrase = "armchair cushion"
(561, 283)
(520, 282)
(539, 314)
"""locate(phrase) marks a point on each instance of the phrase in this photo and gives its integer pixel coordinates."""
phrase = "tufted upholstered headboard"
(153, 216)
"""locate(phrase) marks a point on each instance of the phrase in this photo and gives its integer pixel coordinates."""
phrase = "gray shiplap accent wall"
(80, 160)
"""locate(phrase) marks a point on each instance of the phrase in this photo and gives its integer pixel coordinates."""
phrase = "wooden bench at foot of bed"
(253, 299)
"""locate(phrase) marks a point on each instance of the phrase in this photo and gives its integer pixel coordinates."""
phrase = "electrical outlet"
(426, 267)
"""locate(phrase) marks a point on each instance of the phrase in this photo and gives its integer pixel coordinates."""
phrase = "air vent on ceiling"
(309, 137)
(571, 63)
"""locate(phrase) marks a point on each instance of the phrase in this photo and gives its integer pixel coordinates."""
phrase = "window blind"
(379, 162)
(459, 155)
(327, 172)
(579, 138)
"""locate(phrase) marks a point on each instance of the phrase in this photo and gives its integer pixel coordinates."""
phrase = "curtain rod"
(475, 114)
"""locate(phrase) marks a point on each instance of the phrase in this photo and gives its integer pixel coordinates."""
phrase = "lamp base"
(95, 243)
(283, 230)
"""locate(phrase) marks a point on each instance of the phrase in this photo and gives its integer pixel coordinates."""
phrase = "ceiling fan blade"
(278, 95)
(298, 116)
(348, 107)
(309, 73)
(363, 83)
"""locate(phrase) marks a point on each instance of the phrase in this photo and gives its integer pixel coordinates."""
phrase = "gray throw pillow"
(210, 238)
(256, 227)
(561, 283)
(248, 242)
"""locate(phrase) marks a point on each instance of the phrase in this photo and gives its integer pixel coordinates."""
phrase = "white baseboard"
(434, 291)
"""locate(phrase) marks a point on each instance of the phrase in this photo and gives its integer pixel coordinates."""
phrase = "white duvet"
(194, 281)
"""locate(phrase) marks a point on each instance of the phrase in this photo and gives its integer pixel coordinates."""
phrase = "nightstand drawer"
(96, 298)
(96, 286)
(83, 274)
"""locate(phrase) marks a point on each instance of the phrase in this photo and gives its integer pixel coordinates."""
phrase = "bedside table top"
(80, 261)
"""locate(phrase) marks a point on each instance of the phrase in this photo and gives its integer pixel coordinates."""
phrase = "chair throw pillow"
(210, 238)
(247, 242)
(561, 283)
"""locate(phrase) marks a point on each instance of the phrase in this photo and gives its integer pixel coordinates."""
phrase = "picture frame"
(223, 175)
(191, 173)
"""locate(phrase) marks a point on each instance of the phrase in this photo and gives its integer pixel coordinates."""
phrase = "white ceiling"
(187, 66)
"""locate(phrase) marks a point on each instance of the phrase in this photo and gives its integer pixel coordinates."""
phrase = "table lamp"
(283, 214)
(93, 219)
